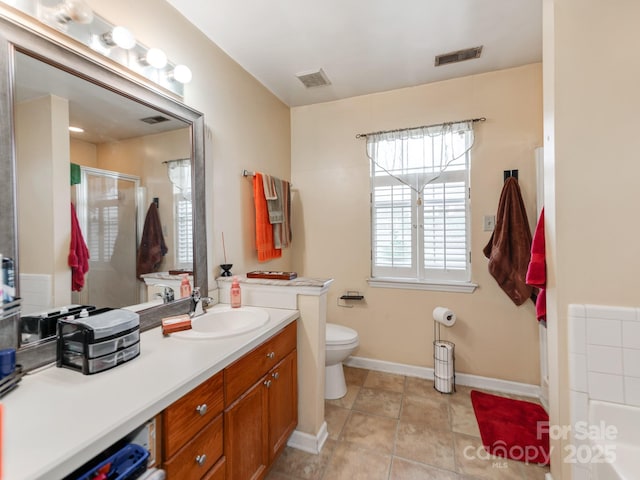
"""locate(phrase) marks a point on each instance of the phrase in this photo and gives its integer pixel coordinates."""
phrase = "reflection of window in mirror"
(180, 175)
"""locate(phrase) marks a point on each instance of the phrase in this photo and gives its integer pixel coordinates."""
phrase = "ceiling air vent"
(314, 79)
(458, 56)
(154, 120)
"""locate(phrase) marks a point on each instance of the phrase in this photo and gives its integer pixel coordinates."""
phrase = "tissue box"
(102, 340)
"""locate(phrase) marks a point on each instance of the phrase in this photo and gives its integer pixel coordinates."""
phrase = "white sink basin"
(224, 321)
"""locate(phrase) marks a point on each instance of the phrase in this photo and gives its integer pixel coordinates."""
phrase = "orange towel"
(264, 229)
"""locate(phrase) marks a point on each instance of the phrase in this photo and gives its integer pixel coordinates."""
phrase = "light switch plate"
(489, 223)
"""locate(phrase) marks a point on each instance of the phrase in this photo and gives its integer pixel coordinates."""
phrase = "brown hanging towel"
(509, 248)
(152, 246)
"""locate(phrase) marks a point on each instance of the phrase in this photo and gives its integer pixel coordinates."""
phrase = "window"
(103, 217)
(420, 204)
(179, 172)
(184, 231)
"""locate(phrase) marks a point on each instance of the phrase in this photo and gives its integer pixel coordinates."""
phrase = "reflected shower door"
(107, 212)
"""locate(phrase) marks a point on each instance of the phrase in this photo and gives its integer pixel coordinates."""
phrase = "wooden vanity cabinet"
(193, 429)
(251, 408)
(261, 405)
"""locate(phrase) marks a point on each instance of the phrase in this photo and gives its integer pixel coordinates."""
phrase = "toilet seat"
(340, 335)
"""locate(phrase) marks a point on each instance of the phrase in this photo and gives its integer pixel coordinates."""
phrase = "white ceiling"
(366, 46)
(105, 116)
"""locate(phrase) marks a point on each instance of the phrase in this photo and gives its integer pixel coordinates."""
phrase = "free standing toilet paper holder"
(444, 372)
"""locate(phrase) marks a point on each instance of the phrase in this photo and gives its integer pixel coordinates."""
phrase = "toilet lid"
(339, 335)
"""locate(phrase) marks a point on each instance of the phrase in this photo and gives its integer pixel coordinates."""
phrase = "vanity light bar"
(114, 42)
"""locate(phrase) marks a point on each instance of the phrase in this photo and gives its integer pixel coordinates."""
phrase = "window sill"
(456, 287)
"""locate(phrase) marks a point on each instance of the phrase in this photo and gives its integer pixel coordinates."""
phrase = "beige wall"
(83, 153)
(43, 192)
(330, 173)
(591, 121)
(248, 127)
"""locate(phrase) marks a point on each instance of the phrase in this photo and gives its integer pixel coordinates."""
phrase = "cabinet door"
(283, 403)
(246, 434)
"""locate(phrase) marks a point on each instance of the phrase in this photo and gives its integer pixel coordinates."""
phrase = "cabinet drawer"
(246, 371)
(184, 418)
(218, 472)
(194, 460)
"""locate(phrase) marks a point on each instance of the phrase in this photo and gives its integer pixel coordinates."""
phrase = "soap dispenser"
(235, 293)
(185, 286)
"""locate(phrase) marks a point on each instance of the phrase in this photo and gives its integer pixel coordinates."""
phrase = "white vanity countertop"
(164, 276)
(296, 282)
(58, 419)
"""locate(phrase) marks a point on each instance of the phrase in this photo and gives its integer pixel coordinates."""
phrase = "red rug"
(512, 429)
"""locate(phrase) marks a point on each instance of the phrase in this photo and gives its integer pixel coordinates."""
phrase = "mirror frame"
(82, 62)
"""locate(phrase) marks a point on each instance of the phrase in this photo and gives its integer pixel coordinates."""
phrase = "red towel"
(78, 254)
(537, 271)
(264, 229)
(509, 248)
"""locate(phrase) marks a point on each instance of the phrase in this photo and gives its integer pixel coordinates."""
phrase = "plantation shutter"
(394, 237)
(445, 242)
(179, 172)
(184, 232)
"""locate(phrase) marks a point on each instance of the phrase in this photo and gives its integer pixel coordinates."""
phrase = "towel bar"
(248, 173)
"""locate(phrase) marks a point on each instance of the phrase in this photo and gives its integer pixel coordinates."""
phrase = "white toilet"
(340, 343)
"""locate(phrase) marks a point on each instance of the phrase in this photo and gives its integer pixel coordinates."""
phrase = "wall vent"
(154, 120)
(314, 79)
(459, 56)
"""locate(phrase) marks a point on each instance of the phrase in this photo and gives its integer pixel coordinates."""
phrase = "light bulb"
(120, 37)
(156, 58)
(182, 74)
(74, 10)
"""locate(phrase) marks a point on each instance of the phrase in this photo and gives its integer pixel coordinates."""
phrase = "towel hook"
(510, 173)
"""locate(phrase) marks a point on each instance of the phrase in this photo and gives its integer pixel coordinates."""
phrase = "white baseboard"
(487, 383)
(307, 442)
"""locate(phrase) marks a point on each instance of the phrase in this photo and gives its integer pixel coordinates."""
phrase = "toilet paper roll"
(444, 385)
(444, 316)
(443, 351)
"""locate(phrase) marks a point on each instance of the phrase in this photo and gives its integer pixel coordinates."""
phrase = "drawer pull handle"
(271, 355)
(200, 459)
(202, 409)
(275, 375)
(267, 383)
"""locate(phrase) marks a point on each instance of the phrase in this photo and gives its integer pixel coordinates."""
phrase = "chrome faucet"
(198, 303)
(167, 293)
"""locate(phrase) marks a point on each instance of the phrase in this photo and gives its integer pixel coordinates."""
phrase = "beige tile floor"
(392, 427)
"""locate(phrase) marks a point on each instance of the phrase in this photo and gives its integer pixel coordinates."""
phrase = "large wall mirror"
(141, 153)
